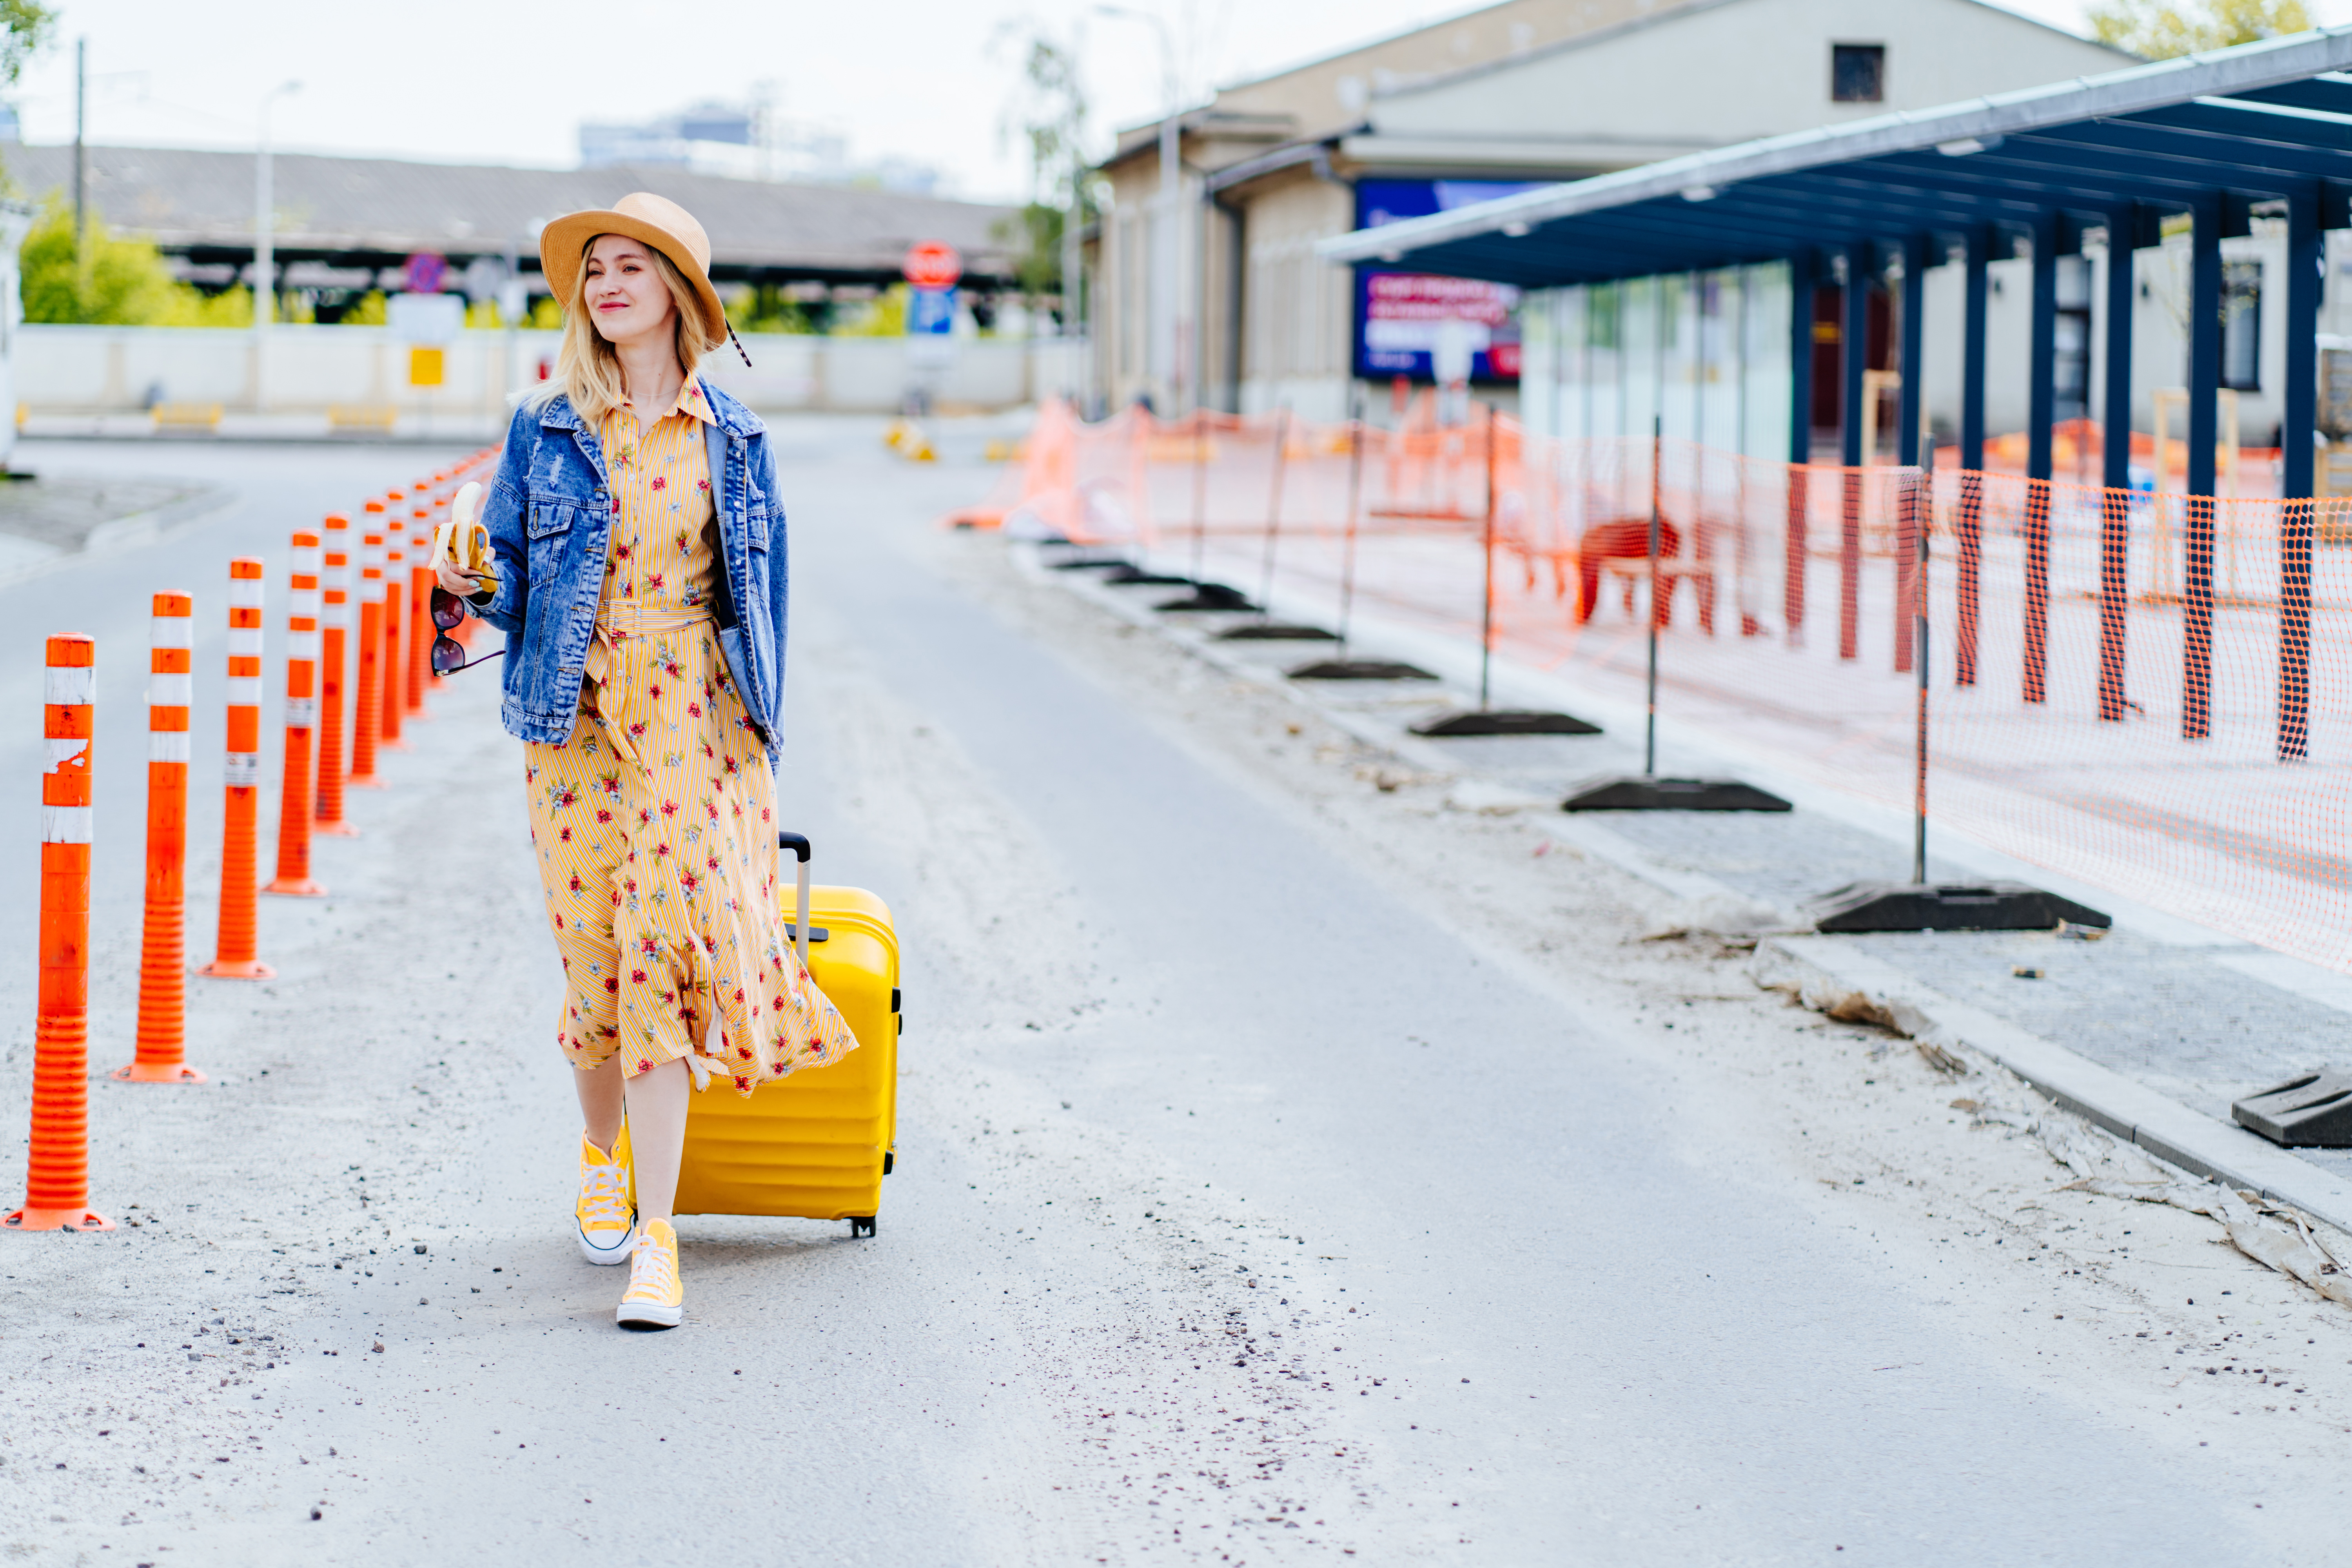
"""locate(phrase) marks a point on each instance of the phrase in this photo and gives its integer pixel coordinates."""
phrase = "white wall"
(1711, 75)
(107, 370)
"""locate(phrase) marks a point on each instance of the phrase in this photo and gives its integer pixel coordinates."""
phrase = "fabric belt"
(634, 620)
(617, 622)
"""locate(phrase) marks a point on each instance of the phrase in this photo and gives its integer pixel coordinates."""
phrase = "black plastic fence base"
(1209, 596)
(1360, 669)
(1276, 631)
(2310, 1110)
(1946, 906)
(1646, 792)
(1133, 576)
(1504, 721)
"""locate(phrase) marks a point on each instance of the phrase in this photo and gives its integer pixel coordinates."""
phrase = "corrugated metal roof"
(2143, 134)
(330, 207)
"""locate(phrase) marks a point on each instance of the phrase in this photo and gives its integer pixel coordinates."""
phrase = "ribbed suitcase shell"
(812, 1145)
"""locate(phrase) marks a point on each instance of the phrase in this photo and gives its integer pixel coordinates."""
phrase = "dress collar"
(692, 402)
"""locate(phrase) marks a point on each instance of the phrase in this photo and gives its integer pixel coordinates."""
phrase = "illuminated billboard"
(1401, 316)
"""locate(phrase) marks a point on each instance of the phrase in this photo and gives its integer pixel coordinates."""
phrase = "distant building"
(1528, 91)
(345, 226)
(748, 141)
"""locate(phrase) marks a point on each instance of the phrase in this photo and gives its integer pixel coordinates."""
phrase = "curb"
(132, 530)
(1828, 975)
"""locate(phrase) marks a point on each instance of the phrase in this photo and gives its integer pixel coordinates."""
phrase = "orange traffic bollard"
(395, 583)
(57, 1165)
(241, 778)
(161, 1039)
(367, 717)
(293, 878)
(420, 607)
(335, 615)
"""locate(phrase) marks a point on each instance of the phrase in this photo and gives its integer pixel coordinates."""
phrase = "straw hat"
(642, 215)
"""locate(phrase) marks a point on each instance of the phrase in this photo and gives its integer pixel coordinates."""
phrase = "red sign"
(932, 264)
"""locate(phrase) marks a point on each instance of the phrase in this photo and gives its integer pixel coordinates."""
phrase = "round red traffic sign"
(932, 264)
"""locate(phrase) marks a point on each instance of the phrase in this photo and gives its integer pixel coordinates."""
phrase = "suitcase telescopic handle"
(799, 845)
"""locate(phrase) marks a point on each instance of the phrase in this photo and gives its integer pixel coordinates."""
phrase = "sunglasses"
(448, 653)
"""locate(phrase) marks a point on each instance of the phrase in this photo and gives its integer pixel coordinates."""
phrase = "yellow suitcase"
(816, 1144)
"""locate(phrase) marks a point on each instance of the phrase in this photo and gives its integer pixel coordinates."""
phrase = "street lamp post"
(1166, 289)
(265, 291)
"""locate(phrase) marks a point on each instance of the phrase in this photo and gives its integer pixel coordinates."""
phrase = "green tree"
(115, 281)
(23, 29)
(885, 316)
(1048, 110)
(2157, 31)
(762, 307)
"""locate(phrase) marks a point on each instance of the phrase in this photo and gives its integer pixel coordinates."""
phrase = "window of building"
(2241, 325)
(1857, 73)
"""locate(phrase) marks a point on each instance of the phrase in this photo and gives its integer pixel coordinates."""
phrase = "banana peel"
(463, 541)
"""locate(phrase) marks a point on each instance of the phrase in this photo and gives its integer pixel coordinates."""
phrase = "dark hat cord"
(738, 344)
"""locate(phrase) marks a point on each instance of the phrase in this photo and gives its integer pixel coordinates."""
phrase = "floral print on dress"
(653, 822)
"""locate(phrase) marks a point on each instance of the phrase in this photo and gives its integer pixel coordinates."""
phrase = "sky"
(502, 81)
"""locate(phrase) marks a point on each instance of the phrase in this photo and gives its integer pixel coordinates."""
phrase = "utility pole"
(1074, 264)
(81, 156)
(1167, 288)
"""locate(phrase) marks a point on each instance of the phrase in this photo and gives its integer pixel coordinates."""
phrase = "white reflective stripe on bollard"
(69, 686)
(67, 824)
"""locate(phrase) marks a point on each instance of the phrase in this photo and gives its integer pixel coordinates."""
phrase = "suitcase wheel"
(861, 1226)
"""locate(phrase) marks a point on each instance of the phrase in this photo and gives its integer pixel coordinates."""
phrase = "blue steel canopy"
(2235, 129)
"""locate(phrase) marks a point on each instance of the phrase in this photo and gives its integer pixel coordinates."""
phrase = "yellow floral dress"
(655, 822)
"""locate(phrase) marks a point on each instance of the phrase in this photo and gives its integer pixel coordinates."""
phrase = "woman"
(641, 582)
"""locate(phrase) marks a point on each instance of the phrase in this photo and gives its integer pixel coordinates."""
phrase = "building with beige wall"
(1528, 92)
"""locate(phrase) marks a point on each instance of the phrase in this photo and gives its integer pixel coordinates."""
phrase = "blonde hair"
(587, 370)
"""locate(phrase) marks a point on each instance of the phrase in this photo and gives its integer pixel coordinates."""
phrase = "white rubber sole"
(647, 1315)
(603, 1259)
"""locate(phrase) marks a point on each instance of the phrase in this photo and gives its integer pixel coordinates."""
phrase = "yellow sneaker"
(607, 1215)
(653, 1299)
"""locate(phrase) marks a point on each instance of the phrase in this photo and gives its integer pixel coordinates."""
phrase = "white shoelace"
(604, 1197)
(652, 1270)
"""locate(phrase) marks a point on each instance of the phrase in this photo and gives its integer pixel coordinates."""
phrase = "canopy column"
(1911, 406)
(1968, 522)
(1853, 359)
(2197, 535)
(2040, 408)
(1800, 441)
(2114, 477)
(2299, 368)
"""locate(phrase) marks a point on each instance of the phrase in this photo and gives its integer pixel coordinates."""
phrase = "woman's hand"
(459, 540)
(464, 585)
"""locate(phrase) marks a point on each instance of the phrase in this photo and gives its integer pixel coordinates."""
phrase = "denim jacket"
(549, 516)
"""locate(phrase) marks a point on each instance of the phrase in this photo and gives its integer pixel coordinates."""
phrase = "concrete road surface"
(1290, 1170)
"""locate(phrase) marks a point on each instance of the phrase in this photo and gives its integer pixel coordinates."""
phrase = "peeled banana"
(463, 541)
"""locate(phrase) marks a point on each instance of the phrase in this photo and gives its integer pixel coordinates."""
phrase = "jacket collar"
(557, 414)
(731, 416)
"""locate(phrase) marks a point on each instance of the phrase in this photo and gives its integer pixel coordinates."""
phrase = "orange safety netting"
(2095, 710)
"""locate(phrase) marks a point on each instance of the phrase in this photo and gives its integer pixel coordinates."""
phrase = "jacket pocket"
(547, 539)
